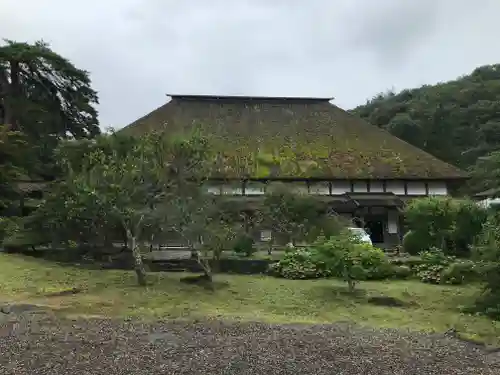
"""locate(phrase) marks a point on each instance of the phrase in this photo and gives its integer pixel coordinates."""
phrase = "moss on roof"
(293, 138)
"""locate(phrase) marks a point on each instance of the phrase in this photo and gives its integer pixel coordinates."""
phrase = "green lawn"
(256, 298)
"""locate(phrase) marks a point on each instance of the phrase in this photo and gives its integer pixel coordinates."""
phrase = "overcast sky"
(137, 51)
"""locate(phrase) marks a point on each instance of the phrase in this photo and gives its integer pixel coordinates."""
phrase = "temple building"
(358, 170)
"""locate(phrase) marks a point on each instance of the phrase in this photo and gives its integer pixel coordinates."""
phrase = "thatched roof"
(263, 137)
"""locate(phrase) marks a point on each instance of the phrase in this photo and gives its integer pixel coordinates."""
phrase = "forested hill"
(456, 121)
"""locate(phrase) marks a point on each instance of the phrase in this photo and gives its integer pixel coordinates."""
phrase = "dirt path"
(37, 344)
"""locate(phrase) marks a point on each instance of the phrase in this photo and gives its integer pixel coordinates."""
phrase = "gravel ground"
(37, 343)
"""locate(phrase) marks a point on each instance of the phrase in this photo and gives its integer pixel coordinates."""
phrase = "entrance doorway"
(374, 225)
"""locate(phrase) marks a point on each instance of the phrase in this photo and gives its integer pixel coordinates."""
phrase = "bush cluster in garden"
(343, 257)
(244, 245)
(9, 226)
(434, 262)
(339, 256)
(442, 222)
(438, 268)
(460, 272)
(374, 262)
(299, 264)
(399, 272)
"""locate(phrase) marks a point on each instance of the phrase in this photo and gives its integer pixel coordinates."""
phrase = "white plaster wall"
(255, 188)
(376, 187)
(416, 188)
(266, 235)
(319, 188)
(396, 187)
(214, 190)
(437, 188)
(360, 187)
(392, 222)
(340, 187)
(232, 189)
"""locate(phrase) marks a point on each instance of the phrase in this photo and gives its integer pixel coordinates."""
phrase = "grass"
(255, 298)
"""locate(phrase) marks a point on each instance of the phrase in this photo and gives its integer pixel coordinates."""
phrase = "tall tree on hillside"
(486, 174)
(457, 121)
(43, 95)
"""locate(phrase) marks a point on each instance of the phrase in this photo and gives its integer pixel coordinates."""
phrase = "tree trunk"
(216, 261)
(138, 264)
(5, 99)
(151, 243)
(351, 284)
(12, 97)
(203, 261)
(271, 244)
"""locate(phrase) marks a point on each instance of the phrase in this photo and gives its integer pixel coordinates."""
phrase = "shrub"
(411, 261)
(9, 226)
(24, 239)
(373, 261)
(438, 268)
(487, 244)
(488, 302)
(347, 258)
(294, 216)
(299, 264)
(487, 250)
(244, 245)
(400, 272)
(430, 273)
(435, 256)
(460, 272)
(415, 242)
(469, 220)
(340, 256)
(434, 262)
(443, 222)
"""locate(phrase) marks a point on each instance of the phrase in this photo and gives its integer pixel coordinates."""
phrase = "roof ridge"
(249, 97)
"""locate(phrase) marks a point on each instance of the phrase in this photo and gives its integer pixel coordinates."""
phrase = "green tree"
(346, 258)
(67, 215)
(442, 222)
(486, 174)
(71, 152)
(404, 127)
(134, 191)
(487, 250)
(219, 234)
(290, 214)
(206, 223)
(12, 147)
(63, 215)
(456, 121)
(43, 95)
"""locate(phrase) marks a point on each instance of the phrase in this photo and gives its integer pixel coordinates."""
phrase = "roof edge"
(248, 97)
